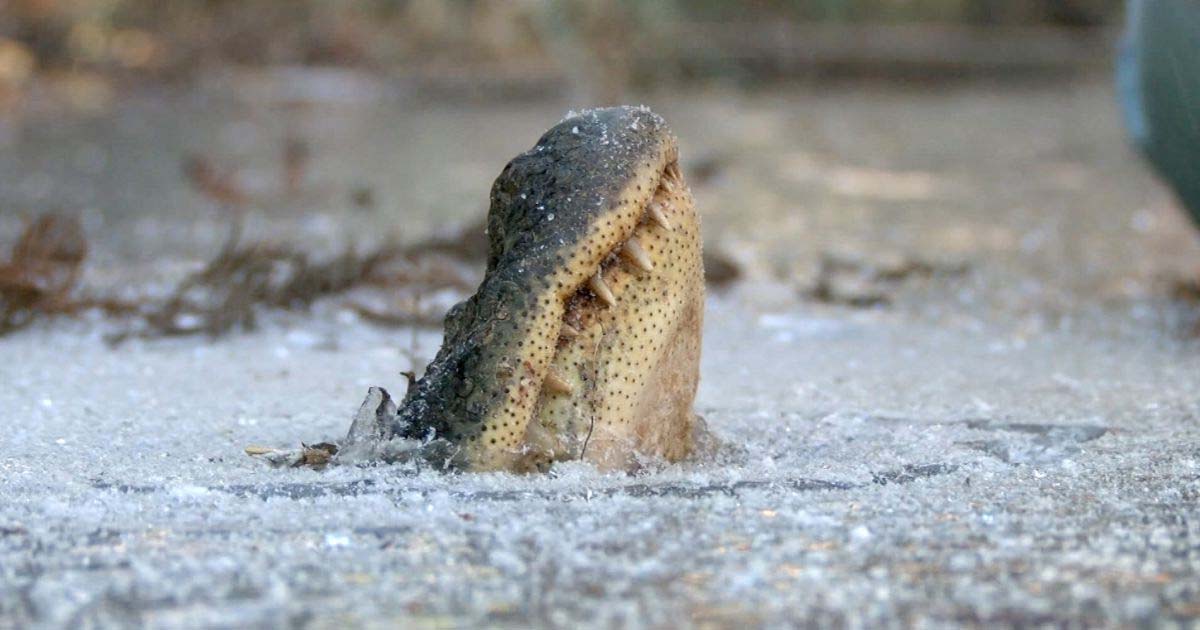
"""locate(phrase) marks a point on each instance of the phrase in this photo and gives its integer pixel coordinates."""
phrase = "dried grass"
(229, 293)
(42, 273)
(864, 283)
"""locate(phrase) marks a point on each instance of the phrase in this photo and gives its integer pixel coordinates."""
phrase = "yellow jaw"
(583, 341)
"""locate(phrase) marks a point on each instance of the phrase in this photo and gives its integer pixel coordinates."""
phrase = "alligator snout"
(583, 340)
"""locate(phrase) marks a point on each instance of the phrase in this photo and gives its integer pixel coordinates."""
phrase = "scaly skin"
(583, 341)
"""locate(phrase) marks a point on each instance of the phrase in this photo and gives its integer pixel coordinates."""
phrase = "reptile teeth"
(656, 213)
(633, 252)
(555, 383)
(569, 331)
(670, 177)
(596, 284)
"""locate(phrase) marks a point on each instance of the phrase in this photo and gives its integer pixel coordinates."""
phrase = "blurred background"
(601, 48)
(951, 156)
(950, 354)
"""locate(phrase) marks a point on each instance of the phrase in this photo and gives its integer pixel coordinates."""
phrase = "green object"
(1158, 77)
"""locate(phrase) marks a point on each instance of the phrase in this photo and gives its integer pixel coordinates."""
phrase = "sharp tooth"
(668, 184)
(633, 252)
(656, 213)
(568, 331)
(673, 171)
(556, 384)
(596, 284)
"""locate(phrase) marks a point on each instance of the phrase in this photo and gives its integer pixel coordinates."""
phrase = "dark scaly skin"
(512, 388)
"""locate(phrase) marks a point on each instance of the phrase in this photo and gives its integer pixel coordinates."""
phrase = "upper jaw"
(559, 214)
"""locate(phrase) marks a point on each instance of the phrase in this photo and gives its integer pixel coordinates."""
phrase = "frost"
(887, 464)
(863, 467)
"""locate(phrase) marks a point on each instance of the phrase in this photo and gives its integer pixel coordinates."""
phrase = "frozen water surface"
(1013, 445)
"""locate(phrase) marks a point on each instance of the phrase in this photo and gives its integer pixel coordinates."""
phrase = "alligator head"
(583, 340)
